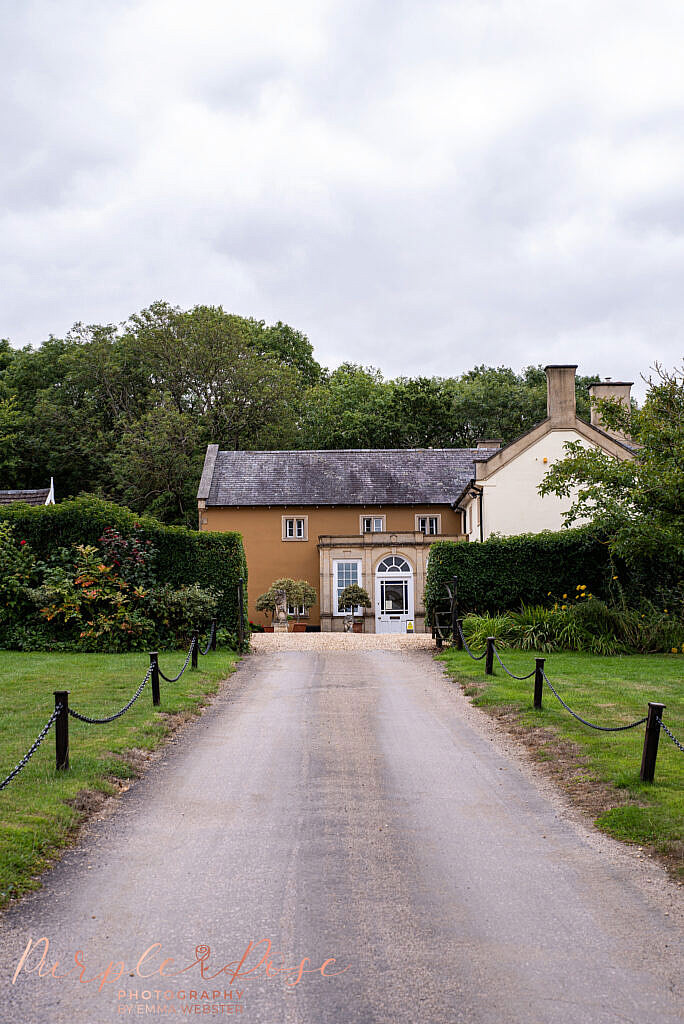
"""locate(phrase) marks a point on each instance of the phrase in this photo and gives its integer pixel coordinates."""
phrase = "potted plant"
(266, 603)
(353, 597)
(298, 593)
(306, 596)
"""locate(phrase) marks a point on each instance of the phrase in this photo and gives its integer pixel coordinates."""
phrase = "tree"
(354, 596)
(158, 461)
(639, 501)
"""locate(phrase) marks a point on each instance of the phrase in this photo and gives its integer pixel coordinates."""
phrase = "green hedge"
(506, 572)
(184, 556)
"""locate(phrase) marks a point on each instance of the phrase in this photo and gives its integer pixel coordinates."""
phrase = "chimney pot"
(561, 406)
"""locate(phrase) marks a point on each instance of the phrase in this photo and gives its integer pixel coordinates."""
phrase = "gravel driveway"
(349, 804)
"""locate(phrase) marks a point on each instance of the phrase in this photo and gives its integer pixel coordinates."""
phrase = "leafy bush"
(508, 572)
(179, 557)
(589, 625)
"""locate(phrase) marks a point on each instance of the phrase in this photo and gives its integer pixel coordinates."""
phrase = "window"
(393, 563)
(300, 611)
(345, 573)
(372, 524)
(295, 527)
(429, 524)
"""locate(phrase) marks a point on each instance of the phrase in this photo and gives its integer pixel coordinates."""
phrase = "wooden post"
(154, 662)
(213, 634)
(538, 681)
(62, 731)
(650, 753)
(195, 647)
(489, 660)
(241, 614)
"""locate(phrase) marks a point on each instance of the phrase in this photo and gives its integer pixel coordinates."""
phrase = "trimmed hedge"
(504, 573)
(184, 556)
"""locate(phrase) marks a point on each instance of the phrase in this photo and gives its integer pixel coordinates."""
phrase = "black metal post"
(62, 731)
(195, 648)
(458, 635)
(454, 611)
(489, 660)
(648, 758)
(154, 663)
(213, 634)
(241, 613)
(538, 681)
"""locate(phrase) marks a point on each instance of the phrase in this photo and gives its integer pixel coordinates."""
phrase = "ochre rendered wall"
(270, 557)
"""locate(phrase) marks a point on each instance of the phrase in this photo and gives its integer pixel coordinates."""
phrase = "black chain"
(673, 738)
(31, 751)
(528, 676)
(601, 728)
(211, 639)
(122, 711)
(475, 657)
(187, 662)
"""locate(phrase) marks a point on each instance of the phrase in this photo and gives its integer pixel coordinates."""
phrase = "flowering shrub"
(132, 556)
(94, 598)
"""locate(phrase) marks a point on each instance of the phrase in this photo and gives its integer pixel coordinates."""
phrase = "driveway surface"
(346, 804)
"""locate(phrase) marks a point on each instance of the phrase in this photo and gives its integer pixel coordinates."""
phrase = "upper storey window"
(295, 527)
(372, 524)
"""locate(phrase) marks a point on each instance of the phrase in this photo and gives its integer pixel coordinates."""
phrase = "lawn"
(41, 807)
(607, 691)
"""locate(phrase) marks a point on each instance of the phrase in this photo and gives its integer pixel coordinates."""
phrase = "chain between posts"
(175, 679)
(32, 749)
(600, 728)
(511, 674)
(674, 739)
(117, 714)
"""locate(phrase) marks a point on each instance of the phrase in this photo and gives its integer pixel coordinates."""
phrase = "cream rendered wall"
(511, 502)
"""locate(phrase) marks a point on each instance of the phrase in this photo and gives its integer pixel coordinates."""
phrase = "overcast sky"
(422, 186)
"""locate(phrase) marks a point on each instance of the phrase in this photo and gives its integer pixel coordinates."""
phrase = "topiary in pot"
(353, 597)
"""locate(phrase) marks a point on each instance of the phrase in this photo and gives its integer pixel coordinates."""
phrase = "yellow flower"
(682, 648)
(665, 610)
(565, 595)
(675, 651)
(643, 616)
(578, 587)
(614, 577)
(590, 596)
(563, 607)
(583, 587)
(548, 594)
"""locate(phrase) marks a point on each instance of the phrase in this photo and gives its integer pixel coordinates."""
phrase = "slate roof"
(30, 497)
(425, 476)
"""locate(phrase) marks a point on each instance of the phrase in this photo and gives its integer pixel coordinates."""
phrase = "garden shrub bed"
(91, 575)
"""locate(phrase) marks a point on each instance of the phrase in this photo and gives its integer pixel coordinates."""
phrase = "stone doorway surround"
(369, 549)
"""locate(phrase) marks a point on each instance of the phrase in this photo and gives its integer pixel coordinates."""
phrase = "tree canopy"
(126, 411)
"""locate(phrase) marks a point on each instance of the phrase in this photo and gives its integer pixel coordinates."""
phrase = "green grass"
(606, 691)
(36, 820)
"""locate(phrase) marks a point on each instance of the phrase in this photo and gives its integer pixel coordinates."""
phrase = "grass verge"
(41, 808)
(599, 771)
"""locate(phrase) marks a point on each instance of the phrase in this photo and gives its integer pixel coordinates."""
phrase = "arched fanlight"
(394, 563)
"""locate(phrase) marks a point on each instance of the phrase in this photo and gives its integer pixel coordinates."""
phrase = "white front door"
(393, 595)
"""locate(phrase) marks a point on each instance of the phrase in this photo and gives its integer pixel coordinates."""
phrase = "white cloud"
(422, 185)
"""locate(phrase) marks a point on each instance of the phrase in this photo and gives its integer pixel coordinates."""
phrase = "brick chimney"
(561, 407)
(496, 443)
(620, 390)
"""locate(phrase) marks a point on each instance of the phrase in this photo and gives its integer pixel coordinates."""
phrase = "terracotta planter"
(357, 627)
(268, 629)
(299, 627)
